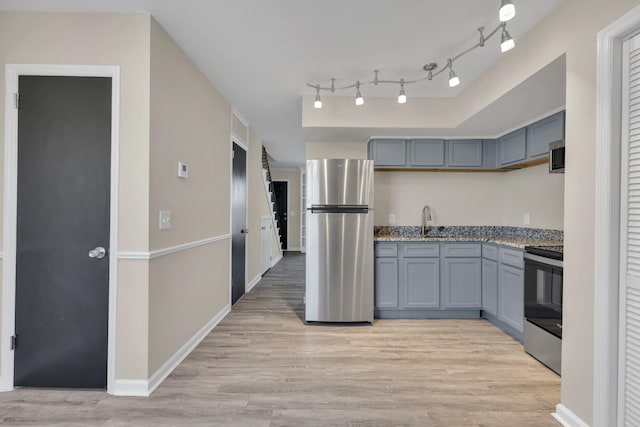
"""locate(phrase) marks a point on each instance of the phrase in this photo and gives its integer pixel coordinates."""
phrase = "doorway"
(60, 221)
(238, 222)
(280, 189)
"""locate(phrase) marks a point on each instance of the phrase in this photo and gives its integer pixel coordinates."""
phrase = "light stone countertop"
(511, 241)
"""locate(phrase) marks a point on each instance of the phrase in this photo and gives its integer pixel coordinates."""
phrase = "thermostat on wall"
(183, 170)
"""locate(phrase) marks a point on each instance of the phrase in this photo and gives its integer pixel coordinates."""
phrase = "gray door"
(62, 294)
(238, 222)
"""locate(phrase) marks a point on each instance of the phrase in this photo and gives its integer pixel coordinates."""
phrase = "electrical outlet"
(392, 218)
(527, 219)
(165, 220)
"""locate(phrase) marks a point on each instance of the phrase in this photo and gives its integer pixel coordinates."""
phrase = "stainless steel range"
(543, 304)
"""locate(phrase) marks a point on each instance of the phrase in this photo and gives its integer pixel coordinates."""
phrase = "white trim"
(138, 388)
(240, 117)
(292, 250)
(567, 418)
(12, 72)
(607, 216)
(275, 261)
(239, 140)
(252, 284)
(146, 387)
(172, 249)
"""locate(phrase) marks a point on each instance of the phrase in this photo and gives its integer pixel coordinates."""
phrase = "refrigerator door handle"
(339, 209)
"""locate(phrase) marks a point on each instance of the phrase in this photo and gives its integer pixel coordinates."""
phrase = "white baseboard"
(292, 250)
(275, 261)
(146, 387)
(131, 388)
(5, 387)
(252, 284)
(567, 418)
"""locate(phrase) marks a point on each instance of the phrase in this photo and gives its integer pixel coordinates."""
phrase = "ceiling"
(260, 54)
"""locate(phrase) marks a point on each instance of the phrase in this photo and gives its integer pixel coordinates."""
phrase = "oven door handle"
(544, 260)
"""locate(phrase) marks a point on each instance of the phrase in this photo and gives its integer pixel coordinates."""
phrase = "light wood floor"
(262, 366)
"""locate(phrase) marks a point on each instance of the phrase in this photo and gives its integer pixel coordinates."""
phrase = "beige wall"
(336, 150)
(190, 122)
(293, 207)
(471, 198)
(121, 40)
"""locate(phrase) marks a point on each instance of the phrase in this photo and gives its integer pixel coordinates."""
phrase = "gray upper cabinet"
(541, 133)
(420, 282)
(512, 148)
(386, 283)
(389, 152)
(490, 286)
(426, 152)
(462, 282)
(465, 153)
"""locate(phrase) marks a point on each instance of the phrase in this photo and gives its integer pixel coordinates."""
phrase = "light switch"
(392, 218)
(527, 219)
(165, 220)
(183, 170)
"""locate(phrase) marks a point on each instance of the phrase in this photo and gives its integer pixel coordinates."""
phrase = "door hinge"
(14, 342)
(16, 100)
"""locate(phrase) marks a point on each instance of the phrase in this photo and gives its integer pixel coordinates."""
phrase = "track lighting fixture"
(359, 98)
(318, 102)
(454, 80)
(402, 98)
(507, 11)
(507, 42)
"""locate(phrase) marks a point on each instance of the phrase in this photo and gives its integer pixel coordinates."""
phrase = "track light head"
(402, 98)
(507, 10)
(507, 42)
(359, 98)
(454, 80)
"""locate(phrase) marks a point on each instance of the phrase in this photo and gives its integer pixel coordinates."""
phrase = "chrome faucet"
(426, 217)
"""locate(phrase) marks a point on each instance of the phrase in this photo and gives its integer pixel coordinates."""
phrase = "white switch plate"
(183, 170)
(527, 219)
(392, 218)
(165, 220)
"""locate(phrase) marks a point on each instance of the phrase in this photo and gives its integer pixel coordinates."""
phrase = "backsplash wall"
(471, 198)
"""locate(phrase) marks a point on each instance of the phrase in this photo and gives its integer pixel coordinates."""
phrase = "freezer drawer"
(339, 274)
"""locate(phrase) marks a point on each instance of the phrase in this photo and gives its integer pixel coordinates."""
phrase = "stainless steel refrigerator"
(339, 260)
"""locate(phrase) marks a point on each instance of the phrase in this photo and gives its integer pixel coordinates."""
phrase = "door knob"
(98, 252)
(244, 230)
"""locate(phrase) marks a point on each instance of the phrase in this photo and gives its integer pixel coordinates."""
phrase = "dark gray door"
(238, 222)
(62, 294)
(280, 190)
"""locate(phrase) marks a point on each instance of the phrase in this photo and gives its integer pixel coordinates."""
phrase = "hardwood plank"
(263, 366)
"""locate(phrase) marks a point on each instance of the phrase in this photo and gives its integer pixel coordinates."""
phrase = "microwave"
(556, 157)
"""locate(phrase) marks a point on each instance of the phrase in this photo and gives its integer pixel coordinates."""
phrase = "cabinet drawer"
(490, 252)
(420, 250)
(386, 250)
(511, 257)
(462, 250)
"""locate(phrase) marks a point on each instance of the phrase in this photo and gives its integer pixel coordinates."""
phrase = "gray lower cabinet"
(420, 282)
(462, 282)
(511, 296)
(386, 282)
(490, 286)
